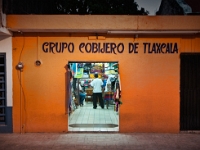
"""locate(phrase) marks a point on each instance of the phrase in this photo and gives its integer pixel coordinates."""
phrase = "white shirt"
(97, 85)
(108, 81)
(80, 88)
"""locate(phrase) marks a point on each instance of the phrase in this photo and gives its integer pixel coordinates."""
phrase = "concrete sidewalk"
(98, 141)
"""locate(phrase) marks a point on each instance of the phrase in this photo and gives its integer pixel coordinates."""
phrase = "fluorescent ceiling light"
(153, 32)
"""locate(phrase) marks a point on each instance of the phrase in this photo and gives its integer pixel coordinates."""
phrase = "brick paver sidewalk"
(98, 141)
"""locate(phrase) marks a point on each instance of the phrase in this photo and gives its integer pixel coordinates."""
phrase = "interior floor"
(86, 118)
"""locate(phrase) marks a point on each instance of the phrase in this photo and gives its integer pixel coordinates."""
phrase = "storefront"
(148, 51)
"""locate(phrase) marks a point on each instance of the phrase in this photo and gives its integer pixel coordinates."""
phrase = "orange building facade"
(148, 50)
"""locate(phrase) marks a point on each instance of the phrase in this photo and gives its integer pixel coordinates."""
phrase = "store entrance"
(84, 114)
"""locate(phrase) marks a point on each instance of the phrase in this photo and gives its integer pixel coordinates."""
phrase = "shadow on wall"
(3, 37)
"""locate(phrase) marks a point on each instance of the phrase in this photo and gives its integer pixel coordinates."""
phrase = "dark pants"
(97, 96)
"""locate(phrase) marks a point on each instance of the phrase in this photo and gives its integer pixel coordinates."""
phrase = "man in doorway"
(97, 91)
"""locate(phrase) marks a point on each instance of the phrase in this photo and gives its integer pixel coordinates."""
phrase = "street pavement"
(100, 141)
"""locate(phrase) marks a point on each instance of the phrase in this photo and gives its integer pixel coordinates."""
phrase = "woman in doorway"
(81, 93)
(117, 95)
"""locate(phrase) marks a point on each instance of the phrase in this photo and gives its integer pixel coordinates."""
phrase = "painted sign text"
(111, 48)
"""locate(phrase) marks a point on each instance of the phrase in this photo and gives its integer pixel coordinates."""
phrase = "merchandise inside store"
(82, 114)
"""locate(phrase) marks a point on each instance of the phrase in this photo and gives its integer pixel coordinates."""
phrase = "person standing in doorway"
(81, 93)
(97, 91)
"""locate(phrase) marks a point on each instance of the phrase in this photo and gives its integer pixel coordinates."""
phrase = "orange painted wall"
(150, 83)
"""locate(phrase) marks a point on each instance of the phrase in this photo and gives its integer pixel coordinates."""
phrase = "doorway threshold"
(93, 125)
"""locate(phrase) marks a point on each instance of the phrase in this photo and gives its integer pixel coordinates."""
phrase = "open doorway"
(82, 114)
